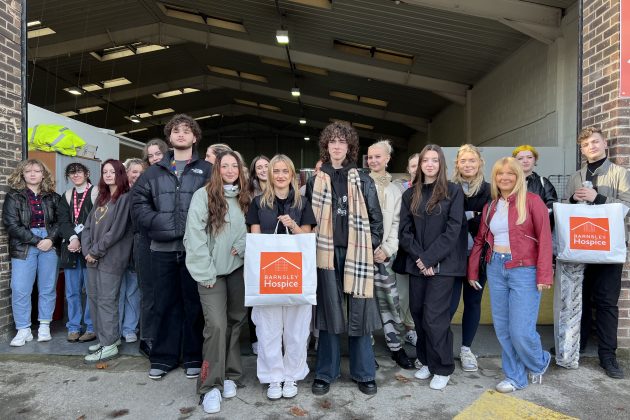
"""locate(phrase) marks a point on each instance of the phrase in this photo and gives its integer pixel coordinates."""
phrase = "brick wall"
(10, 137)
(602, 106)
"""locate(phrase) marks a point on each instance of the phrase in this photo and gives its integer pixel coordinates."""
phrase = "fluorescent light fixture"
(193, 15)
(282, 36)
(322, 4)
(145, 115)
(121, 51)
(254, 77)
(205, 117)
(89, 109)
(120, 81)
(39, 32)
(68, 113)
(307, 138)
(175, 92)
(91, 87)
(163, 111)
(73, 91)
(33, 23)
(302, 121)
(373, 101)
(134, 119)
(343, 95)
(137, 130)
(295, 92)
(365, 126)
(269, 107)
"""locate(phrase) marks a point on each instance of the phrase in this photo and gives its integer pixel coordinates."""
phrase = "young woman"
(154, 151)
(469, 174)
(215, 246)
(389, 198)
(349, 229)
(402, 279)
(515, 225)
(29, 215)
(214, 150)
(107, 242)
(74, 207)
(129, 301)
(431, 218)
(280, 209)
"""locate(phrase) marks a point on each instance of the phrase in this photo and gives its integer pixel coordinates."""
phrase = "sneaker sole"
(230, 395)
(288, 397)
(195, 376)
(157, 377)
(274, 398)
(103, 359)
(212, 411)
(44, 339)
(469, 369)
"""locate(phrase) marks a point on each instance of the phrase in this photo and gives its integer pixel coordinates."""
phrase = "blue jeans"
(76, 280)
(42, 265)
(515, 300)
(362, 367)
(129, 303)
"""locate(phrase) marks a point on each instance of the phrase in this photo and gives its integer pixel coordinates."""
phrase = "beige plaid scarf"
(358, 279)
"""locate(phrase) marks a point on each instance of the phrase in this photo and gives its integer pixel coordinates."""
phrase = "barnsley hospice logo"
(280, 273)
(589, 233)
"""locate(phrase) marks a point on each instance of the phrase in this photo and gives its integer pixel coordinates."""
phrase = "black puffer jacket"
(542, 187)
(369, 195)
(160, 200)
(16, 216)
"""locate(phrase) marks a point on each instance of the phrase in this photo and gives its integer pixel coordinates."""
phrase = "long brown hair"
(440, 188)
(122, 183)
(17, 182)
(217, 204)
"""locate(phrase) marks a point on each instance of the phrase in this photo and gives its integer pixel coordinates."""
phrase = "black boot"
(401, 359)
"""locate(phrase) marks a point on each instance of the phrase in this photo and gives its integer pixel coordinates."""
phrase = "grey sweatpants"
(224, 313)
(103, 291)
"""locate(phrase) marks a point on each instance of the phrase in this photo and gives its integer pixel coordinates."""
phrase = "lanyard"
(174, 166)
(77, 207)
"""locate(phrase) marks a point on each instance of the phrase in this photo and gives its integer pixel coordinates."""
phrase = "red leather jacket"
(530, 242)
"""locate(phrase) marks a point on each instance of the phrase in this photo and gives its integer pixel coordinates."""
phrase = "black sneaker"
(612, 368)
(401, 359)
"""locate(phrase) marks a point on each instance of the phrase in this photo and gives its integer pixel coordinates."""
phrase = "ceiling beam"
(234, 110)
(169, 34)
(534, 20)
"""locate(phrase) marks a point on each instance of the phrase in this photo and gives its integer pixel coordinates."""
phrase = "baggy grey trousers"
(567, 313)
(224, 313)
(103, 291)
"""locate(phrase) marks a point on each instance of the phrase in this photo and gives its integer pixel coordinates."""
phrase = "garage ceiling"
(387, 66)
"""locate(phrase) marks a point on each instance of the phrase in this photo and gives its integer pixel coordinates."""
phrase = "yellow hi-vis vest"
(54, 138)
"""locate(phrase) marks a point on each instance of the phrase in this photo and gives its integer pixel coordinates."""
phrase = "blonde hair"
(525, 148)
(520, 188)
(477, 182)
(134, 161)
(269, 193)
(17, 182)
(384, 144)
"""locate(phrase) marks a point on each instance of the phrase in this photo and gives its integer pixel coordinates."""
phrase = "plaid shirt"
(37, 211)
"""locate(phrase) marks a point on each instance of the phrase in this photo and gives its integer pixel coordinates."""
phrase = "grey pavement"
(42, 380)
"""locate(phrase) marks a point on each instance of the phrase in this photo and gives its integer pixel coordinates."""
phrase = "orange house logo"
(589, 233)
(280, 273)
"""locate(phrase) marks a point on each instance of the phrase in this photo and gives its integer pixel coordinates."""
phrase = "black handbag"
(67, 259)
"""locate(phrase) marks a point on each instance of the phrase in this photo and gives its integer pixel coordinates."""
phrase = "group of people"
(159, 247)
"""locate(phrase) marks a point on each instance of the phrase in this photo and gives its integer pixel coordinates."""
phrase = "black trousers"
(601, 289)
(430, 302)
(178, 313)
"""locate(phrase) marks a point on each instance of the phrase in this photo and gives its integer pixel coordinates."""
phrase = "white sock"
(465, 349)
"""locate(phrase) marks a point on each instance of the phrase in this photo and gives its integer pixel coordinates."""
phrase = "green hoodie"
(209, 255)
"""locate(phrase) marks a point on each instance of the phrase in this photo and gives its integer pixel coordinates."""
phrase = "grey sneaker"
(192, 373)
(469, 361)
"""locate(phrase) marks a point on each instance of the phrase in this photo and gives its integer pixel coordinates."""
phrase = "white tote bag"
(591, 234)
(280, 270)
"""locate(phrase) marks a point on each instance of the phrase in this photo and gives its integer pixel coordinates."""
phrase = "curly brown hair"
(17, 182)
(183, 119)
(588, 132)
(343, 130)
(217, 204)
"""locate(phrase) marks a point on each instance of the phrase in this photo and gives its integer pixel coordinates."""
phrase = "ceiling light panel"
(33, 23)
(223, 70)
(343, 95)
(196, 16)
(89, 109)
(364, 126)
(270, 107)
(163, 111)
(373, 101)
(120, 81)
(321, 4)
(370, 51)
(114, 53)
(245, 102)
(91, 87)
(254, 77)
(68, 113)
(34, 33)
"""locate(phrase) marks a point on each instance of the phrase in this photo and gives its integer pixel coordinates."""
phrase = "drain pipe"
(578, 154)
(24, 79)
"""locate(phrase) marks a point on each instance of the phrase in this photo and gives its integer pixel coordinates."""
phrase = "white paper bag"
(591, 234)
(280, 270)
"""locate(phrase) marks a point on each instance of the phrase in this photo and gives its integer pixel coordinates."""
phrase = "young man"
(602, 282)
(161, 198)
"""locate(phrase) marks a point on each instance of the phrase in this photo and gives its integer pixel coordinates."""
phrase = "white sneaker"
(290, 389)
(255, 348)
(411, 337)
(469, 361)
(274, 392)
(229, 389)
(505, 387)
(423, 373)
(131, 338)
(212, 401)
(439, 382)
(23, 335)
(97, 346)
(43, 333)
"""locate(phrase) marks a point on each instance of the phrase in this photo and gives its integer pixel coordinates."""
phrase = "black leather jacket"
(16, 216)
(371, 202)
(542, 187)
(160, 200)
